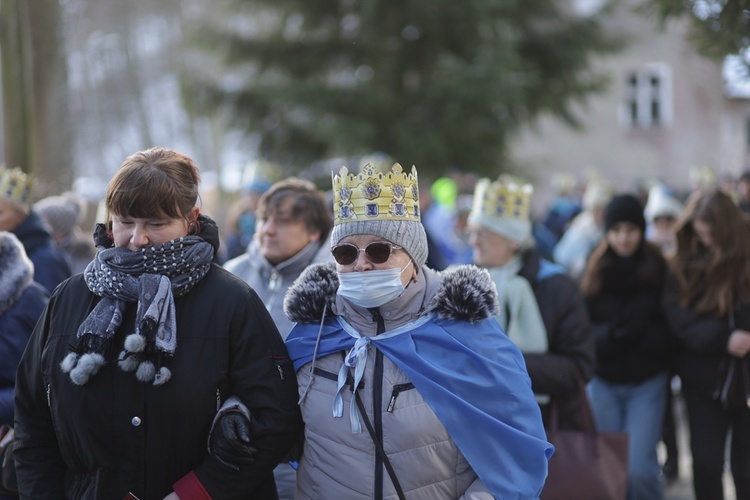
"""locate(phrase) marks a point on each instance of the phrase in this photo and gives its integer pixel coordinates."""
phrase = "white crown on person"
(375, 195)
(15, 184)
(508, 197)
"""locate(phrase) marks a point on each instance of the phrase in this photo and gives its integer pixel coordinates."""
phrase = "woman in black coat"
(708, 306)
(622, 285)
(126, 369)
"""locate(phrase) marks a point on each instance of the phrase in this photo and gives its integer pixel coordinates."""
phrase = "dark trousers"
(710, 423)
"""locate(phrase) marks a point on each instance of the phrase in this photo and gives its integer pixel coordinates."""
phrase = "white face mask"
(371, 288)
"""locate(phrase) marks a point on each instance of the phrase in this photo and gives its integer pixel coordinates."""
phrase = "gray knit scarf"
(152, 277)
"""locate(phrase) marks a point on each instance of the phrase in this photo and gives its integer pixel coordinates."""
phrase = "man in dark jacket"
(50, 267)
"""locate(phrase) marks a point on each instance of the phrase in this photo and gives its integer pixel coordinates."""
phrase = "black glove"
(230, 441)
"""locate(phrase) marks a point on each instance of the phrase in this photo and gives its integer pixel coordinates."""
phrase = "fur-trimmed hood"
(466, 293)
(16, 270)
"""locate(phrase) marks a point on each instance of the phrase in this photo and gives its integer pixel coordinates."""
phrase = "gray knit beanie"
(384, 204)
(59, 212)
(407, 234)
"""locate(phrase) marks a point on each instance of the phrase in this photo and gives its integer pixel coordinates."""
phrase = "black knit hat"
(624, 208)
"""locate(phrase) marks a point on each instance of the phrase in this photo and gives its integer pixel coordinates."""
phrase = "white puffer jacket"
(339, 464)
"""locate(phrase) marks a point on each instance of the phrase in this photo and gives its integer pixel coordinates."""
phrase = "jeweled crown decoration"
(15, 184)
(508, 197)
(375, 195)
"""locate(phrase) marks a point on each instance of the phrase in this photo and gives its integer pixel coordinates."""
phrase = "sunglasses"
(377, 252)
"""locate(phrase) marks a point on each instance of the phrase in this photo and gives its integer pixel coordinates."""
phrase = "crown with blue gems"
(508, 197)
(15, 184)
(375, 195)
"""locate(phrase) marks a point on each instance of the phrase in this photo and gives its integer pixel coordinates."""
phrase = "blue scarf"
(474, 379)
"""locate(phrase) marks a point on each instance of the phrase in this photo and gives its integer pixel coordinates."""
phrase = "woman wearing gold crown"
(408, 386)
(541, 308)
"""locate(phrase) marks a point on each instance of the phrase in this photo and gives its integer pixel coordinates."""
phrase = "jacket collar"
(464, 293)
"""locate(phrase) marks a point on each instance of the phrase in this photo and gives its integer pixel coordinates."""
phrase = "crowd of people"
(310, 361)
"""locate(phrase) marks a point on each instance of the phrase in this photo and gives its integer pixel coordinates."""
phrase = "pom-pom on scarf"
(152, 277)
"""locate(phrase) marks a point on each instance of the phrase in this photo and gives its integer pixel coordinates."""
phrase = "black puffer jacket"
(703, 340)
(570, 341)
(633, 340)
(116, 435)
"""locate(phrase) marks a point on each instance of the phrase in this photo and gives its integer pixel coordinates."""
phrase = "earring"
(194, 228)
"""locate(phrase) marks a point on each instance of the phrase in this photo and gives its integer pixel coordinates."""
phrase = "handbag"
(8, 482)
(588, 464)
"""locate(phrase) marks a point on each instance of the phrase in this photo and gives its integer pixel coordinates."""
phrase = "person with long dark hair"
(622, 284)
(708, 306)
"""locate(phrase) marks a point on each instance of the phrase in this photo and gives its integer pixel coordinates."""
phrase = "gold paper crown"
(374, 195)
(15, 184)
(508, 197)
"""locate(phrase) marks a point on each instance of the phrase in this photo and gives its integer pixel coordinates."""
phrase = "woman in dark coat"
(541, 308)
(708, 306)
(622, 284)
(124, 373)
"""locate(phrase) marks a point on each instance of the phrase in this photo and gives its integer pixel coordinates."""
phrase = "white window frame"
(641, 95)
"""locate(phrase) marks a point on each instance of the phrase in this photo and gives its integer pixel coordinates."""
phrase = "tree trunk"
(16, 88)
(35, 93)
(51, 131)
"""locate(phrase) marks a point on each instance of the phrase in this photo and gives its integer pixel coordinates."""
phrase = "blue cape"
(475, 380)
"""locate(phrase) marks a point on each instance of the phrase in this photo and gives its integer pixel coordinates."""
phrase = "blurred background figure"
(63, 215)
(585, 230)
(743, 191)
(702, 177)
(541, 309)
(565, 205)
(242, 218)
(661, 212)
(707, 303)
(16, 216)
(435, 258)
(21, 303)
(622, 284)
(441, 221)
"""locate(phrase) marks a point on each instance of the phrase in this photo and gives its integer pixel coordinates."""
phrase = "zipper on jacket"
(397, 389)
(218, 399)
(281, 371)
(335, 377)
(273, 282)
(377, 402)
(49, 398)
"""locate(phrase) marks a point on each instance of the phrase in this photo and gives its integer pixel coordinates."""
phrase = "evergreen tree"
(720, 27)
(435, 83)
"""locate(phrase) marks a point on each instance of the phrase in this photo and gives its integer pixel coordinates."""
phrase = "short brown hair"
(309, 205)
(155, 183)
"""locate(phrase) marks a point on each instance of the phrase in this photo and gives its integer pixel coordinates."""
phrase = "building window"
(648, 97)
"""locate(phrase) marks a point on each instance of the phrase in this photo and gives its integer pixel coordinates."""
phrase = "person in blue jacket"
(22, 301)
